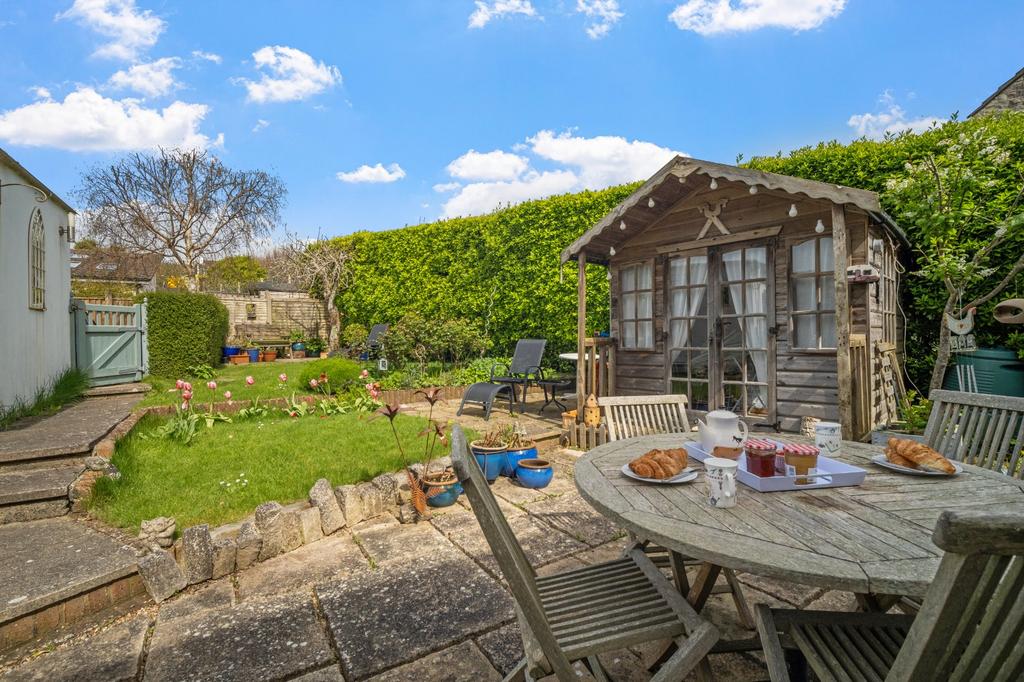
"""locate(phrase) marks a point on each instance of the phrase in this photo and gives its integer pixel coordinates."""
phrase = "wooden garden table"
(871, 539)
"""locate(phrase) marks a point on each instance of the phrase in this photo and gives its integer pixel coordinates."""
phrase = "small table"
(551, 387)
(871, 539)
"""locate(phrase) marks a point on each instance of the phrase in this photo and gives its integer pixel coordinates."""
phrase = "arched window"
(36, 262)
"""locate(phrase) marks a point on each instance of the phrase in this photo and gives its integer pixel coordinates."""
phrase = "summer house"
(768, 295)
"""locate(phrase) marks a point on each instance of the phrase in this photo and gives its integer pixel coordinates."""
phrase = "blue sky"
(548, 95)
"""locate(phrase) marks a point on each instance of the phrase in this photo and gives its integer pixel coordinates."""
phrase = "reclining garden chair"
(969, 628)
(524, 368)
(578, 614)
(373, 341)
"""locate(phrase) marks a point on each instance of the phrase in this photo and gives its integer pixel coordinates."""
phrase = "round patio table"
(872, 539)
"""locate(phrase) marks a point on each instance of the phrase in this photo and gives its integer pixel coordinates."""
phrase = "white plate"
(684, 476)
(881, 461)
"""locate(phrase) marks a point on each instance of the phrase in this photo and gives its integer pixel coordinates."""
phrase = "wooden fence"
(583, 437)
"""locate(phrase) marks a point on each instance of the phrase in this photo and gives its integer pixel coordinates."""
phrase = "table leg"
(701, 590)
(876, 603)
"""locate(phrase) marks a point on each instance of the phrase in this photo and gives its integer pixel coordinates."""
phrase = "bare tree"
(322, 267)
(182, 204)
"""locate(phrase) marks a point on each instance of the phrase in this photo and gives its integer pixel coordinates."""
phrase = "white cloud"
(289, 74)
(584, 163)
(207, 56)
(88, 121)
(499, 8)
(710, 17)
(891, 119)
(261, 123)
(496, 165)
(603, 15)
(604, 160)
(130, 30)
(151, 79)
(373, 174)
(40, 92)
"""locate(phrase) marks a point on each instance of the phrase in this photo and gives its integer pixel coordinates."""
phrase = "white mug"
(827, 437)
(721, 477)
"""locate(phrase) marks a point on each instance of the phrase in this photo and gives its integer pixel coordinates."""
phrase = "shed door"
(721, 343)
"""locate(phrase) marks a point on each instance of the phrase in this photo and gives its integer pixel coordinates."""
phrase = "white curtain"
(682, 307)
(755, 329)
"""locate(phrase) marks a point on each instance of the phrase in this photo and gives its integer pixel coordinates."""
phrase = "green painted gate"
(110, 342)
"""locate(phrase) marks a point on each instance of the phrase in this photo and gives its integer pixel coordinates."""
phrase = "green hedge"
(499, 270)
(184, 330)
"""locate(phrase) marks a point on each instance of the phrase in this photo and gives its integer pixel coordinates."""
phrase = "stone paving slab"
(71, 431)
(218, 594)
(301, 569)
(460, 663)
(260, 639)
(572, 515)
(30, 485)
(112, 656)
(387, 544)
(43, 562)
(397, 614)
(332, 674)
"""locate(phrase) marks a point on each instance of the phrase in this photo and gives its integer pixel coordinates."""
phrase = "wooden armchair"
(632, 416)
(979, 429)
(578, 614)
(969, 628)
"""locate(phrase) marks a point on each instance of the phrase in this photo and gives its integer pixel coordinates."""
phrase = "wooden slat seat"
(979, 429)
(578, 614)
(969, 628)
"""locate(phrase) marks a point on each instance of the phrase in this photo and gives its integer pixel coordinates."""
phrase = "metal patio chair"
(968, 630)
(578, 614)
(524, 368)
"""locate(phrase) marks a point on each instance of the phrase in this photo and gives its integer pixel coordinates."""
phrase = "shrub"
(184, 330)
(341, 374)
(416, 339)
(354, 337)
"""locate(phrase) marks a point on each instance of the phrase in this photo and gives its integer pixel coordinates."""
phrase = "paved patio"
(382, 602)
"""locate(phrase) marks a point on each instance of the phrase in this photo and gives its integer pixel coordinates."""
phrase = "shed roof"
(10, 161)
(679, 168)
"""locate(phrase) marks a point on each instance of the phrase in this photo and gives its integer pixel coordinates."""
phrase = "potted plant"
(520, 447)
(490, 452)
(534, 473)
(232, 350)
(253, 351)
(270, 354)
(298, 344)
(240, 359)
(915, 411)
(315, 347)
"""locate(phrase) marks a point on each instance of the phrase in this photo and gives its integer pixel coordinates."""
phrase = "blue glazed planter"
(447, 497)
(534, 473)
(231, 350)
(254, 354)
(516, 456)
(491, 460)
(298, 346)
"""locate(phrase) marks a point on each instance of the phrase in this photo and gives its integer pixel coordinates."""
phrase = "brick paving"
(383, 602)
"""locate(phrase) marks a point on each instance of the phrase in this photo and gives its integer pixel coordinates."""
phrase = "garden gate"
(109, 341)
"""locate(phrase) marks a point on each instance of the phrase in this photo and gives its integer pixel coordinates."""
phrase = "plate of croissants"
(914, 458)
(661, 466)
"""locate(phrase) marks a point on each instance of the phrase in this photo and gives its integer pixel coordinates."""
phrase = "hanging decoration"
(962, 339)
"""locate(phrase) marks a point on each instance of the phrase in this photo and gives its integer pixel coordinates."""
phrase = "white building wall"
(35, 345)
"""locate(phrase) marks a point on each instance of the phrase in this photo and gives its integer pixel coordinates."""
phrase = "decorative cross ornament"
(711, 212)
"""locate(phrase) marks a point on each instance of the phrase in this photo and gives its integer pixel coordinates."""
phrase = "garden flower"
(184, 405)
(212, 385)
(227, 395)
(179, 384)
(313, 383)
(187, 386)
(249, 381)
(282, 377)
(365, 373)
(186, 395)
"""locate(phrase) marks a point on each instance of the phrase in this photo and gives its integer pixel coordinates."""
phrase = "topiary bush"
(341, 374)
(184, 330)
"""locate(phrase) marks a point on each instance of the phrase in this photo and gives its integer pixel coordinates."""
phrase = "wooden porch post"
(581, 332)
(839, 256)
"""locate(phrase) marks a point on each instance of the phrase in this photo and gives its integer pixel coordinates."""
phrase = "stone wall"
(1010, 98)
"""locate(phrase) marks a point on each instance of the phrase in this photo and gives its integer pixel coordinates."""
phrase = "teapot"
(721, 428)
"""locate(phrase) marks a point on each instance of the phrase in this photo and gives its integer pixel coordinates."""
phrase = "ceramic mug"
(721, 477)
(827, 437)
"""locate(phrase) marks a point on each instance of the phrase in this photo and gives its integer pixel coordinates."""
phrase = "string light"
(650, 203)
(611, 251)
(753, 189)
(622, 225)
(792, 210)
(819, 227)
(714, 183)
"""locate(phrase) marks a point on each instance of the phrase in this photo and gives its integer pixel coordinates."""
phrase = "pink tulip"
(187, 386)
(365, 373)
(313, 383)
(283, 378)
(212, 385)
(184, 405)
(179, 384)
(249, 381)
(369, 387)
(186, 395)
(227, 395)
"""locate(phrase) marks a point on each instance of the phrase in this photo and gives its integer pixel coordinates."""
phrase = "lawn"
(280, 458)
(232, 378)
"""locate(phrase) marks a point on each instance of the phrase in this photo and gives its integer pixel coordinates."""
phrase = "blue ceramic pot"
(254, 354)
(298, 346)
(514, 457)
(534, 473)
(491, 460)
(448, 495)
(231, 350)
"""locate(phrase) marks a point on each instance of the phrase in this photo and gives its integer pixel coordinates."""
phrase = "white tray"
(830, 473)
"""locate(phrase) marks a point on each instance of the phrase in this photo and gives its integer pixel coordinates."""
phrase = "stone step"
(117, 389)
(58, 571)
(30, 494)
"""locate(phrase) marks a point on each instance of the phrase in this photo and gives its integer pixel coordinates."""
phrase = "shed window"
(636, 317)
(812, 300)
(37, 262)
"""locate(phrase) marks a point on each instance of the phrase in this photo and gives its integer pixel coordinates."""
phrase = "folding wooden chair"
(579, 614)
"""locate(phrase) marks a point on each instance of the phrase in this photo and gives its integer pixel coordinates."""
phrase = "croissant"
(898, 460)
(920, 455)
(659, 464)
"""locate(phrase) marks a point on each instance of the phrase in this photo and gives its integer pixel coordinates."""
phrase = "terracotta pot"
(270, 355)
(240, 359)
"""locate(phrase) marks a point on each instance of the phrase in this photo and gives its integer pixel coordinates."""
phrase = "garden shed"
(769, 295)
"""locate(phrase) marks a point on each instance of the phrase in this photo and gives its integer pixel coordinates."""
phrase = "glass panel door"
(744, 311)
(688, 349)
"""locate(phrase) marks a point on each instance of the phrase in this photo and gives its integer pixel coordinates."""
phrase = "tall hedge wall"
(501, 270)
(184, 329)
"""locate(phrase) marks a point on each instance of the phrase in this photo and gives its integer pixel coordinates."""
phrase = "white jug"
(722, 428)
